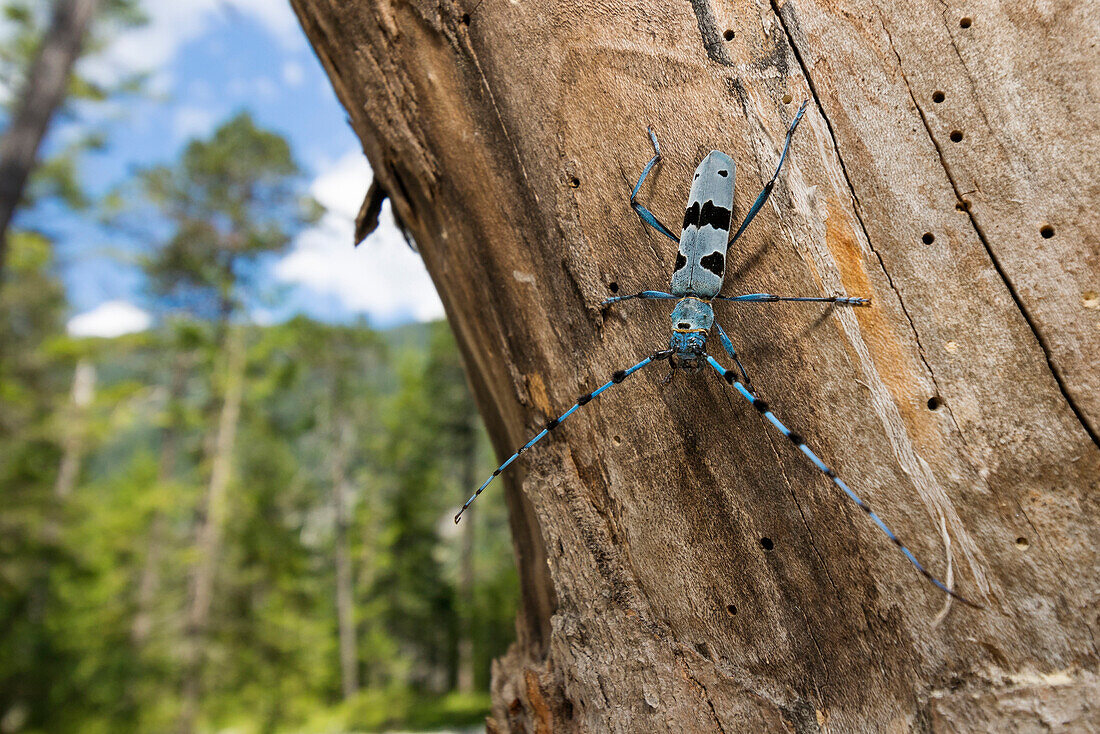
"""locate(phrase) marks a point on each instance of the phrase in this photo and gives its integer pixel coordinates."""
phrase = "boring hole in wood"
(956, 136)
(731, 609)
(962, 206)
(728, 35)
(1022, 543)
(766, 543)
(617, 440)
(938, 97)
(928, 238)
(574, 183)
(1046, 231)
(934, 403)
(465, 19)
(965, 22)
(613, 287)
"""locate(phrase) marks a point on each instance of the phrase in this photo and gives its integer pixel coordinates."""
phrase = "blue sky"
(209, 59)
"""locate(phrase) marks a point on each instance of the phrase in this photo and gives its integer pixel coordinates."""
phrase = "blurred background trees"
(217, 523)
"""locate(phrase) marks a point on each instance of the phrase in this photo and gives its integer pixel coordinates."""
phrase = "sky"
(208, 60)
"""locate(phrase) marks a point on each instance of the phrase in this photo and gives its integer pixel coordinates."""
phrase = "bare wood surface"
(963, 405)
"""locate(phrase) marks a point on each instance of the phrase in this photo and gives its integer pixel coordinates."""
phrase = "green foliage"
(397, 707)
(95, 579)
(229, 201)
(273, 646)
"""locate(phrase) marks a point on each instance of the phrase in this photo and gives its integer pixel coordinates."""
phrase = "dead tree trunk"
(211, 528)
(149, 581)
(946, 168)
(75, 429)
(41, 95)
(467, 451)
(342, 439)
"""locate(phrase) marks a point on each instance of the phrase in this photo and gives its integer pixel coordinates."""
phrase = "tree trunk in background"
(149, 584)
(946, 168)
(467, 434)
(211, 527)
(42, 94)
(75, 429)
(342, 438)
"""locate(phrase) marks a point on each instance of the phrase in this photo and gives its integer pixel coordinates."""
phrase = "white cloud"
(382, 277)
(293, 73)
(172, 23)
(266, 88)
(342, 184)
(110, 319)
(192, 122)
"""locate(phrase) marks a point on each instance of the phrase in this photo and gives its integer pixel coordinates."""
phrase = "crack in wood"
(857, 204)
(932, 494)
(708, 31)
(1044, 345)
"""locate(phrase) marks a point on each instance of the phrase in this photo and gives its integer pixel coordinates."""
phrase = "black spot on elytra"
(715, 262)
(723, 174)
(691, 216)
(681, 261)
(716, 216)
(683, 325)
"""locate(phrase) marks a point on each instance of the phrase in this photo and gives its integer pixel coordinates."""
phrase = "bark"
(965, 399)
(211, 528)
(76, 428)
(42, 94)
(342, 437)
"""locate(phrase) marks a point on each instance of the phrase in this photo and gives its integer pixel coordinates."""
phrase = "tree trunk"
(75, 429)
(467, 437)
(936, 152)
(42, 94)
(342, 437)
(211, 527)
(149, 583)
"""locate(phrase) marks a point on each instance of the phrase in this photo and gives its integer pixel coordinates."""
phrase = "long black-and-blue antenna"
(765, 410)
(616, 378)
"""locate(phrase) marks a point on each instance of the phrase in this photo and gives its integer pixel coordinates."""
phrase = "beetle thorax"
(691, 321)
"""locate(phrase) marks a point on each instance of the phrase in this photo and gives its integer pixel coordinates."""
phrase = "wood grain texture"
(508, 134)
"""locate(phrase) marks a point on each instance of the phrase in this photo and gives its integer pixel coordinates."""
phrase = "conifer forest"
(218, 522)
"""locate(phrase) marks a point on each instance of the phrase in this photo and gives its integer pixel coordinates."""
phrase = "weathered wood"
(507, 135)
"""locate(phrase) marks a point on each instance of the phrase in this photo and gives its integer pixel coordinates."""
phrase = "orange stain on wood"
(543, 719)
(893, 360)
(536, 388)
